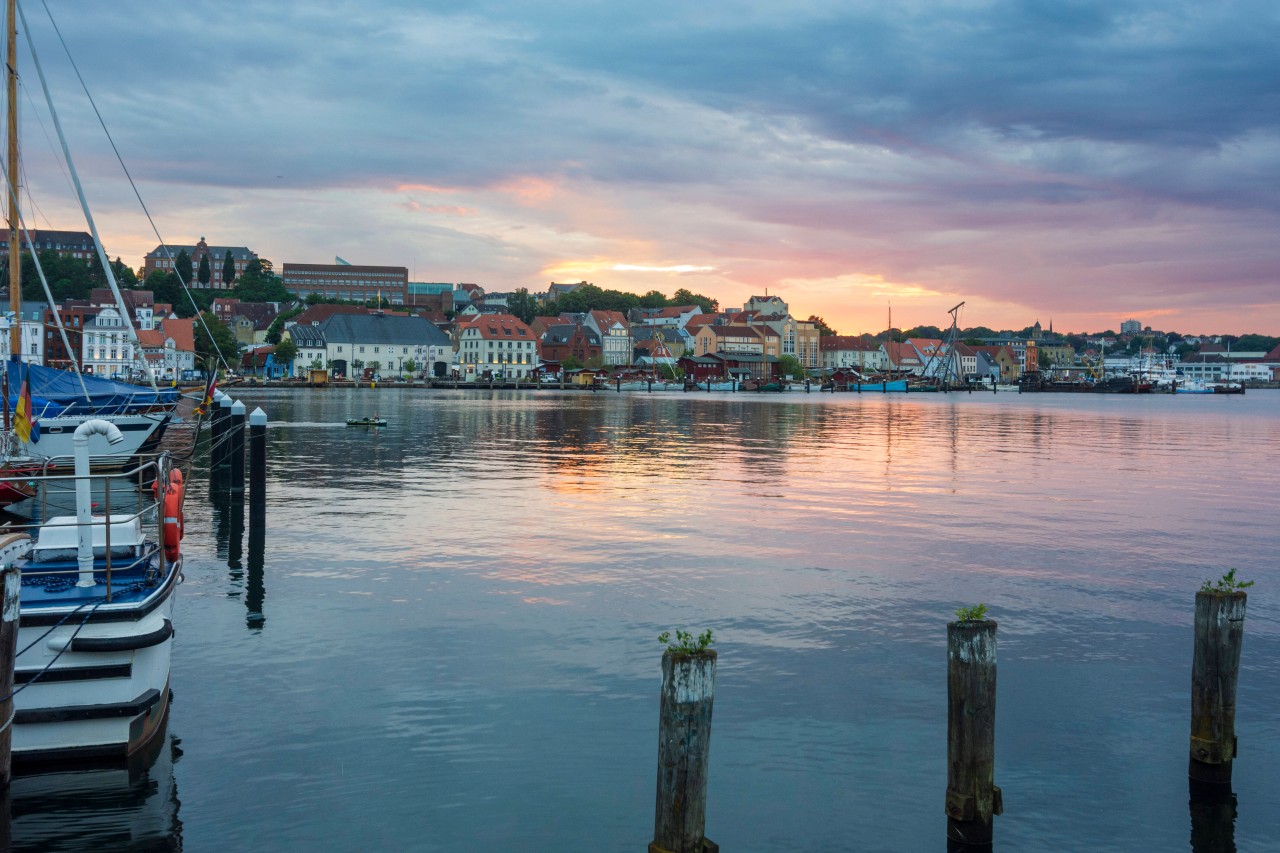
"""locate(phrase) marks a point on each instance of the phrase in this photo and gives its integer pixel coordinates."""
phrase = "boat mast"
(15, 252)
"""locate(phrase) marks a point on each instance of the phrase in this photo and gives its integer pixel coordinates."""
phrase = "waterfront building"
(392, 344)
(31, 318)
(562, 341)
(615, 336)
(74, 313)
(107, 346)
(169, 348)
(1003, 358)
(903, 357)
(841, 352)
(348, 281)
(498, 346)
(1130, 327)
(162, 258)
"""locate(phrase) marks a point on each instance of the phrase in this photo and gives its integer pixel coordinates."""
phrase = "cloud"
(1033, 158)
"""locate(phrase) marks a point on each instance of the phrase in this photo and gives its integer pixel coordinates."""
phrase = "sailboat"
(95, 590)
(58, 401)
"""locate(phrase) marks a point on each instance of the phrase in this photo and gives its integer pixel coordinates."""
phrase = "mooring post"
(257, 465)
(684, 744)
(12, 582)
(218, 430)
(1215, 668)
(235, 434)
(972, 796)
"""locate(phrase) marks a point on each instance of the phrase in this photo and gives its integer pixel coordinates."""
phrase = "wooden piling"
(1215, 667)
(11, 580)
(972, 796)
(684, 745)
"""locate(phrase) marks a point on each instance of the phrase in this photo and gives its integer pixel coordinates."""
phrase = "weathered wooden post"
(617, 381)
(684, 744)
(11, 579)
(235, 449)
(1215, 667)
(972, 796)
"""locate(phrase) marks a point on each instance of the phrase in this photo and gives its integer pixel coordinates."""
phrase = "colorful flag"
(207, 400)
(25, 422)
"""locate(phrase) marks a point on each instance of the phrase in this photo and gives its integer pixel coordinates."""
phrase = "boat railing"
(139, 478)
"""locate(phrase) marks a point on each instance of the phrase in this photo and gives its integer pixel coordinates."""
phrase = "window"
(362, 349)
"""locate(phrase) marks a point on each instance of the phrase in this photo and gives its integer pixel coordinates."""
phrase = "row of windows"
(498, 358)
(475, 344)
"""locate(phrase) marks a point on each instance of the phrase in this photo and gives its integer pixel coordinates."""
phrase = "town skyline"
(1082, 168)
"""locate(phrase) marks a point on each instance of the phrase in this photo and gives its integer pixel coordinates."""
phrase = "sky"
(1076, 163)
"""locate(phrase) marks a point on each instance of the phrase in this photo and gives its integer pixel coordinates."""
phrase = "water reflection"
(1213, 818)
(126, 806)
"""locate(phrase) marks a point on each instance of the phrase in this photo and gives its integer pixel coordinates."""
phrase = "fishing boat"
(1228, 388)
(374, 421)
(883, 386)
(95, 630)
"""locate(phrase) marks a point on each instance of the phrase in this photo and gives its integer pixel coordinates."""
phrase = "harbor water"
(446, 637)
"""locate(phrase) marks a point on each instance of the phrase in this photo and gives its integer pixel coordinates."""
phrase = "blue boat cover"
(58, 392)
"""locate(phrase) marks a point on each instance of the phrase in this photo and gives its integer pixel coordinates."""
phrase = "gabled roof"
(499, 327)
(851, 343)
(317, 314)
(379, 329)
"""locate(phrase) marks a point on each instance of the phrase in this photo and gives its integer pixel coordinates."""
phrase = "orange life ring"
(174, 523)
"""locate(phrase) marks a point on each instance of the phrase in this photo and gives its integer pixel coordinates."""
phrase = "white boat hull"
(56, 436)
(106, 701)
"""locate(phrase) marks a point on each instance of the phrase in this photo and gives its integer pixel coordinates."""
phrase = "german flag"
(207, 400)
(25, 422)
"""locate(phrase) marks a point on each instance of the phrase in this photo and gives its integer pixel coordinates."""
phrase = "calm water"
(449, 641)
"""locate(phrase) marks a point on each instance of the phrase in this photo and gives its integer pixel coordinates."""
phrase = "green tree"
(653, 299)
(789, 365)
(571, 363)
(823, 329)
(222, 345)
(1045, 361)
(521, 305)
(684, 296)
(182, 266)
(124, 274)
(276, 330)
(206, 272)
(259, 284)
(409, 366)
(286, 351)
(228, 270)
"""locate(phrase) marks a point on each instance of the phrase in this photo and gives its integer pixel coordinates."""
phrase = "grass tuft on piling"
(977, 613)
(1228, 583)
(685, 643)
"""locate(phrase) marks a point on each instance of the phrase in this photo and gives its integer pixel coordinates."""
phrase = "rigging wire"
(119, 158)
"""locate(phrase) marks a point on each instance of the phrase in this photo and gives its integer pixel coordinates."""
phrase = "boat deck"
(54, 585)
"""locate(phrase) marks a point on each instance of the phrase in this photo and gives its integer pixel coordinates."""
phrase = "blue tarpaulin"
(58, 392)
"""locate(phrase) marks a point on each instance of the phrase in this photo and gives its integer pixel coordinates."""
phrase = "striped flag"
(25, 422)
(207, 400)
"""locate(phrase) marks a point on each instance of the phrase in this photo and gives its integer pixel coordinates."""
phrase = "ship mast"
(15, 252)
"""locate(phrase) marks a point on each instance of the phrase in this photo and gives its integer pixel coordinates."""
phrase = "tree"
(223, 345)
(276, 330)
(653, 299)
(1045, 361)
(228, 270)
(182, 266)
(789, 365)
(259, 284)
(286, 351)
(570, 363)
(684, 296)
(409, 366)
(823, 329)
(125, 276)
(206, 273)
(522, 306)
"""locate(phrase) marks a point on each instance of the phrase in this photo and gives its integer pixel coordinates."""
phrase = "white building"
(106, 346)
(388, 344)
(499, 345)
